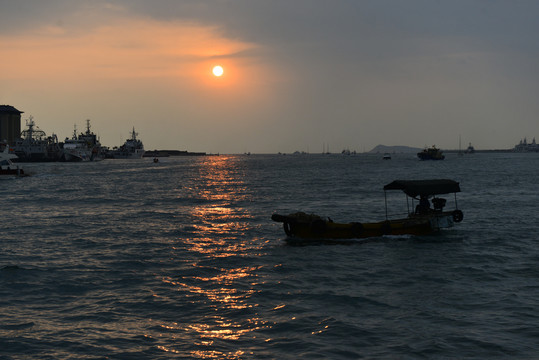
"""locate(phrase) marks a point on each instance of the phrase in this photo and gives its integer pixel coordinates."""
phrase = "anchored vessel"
(34, 145)
(421, 220)
(6, 166)
(131, 149)
(432, 153)
(524, 146)
(84, 147)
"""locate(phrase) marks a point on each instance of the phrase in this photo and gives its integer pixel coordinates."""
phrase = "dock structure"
(167, 153)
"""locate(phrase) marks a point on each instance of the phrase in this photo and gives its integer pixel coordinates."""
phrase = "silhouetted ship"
(35, 146)
(432, 153)
(131, 149)
(82, 147)
(523, 146)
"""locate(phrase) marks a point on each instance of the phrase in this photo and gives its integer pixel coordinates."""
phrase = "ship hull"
(313, 227)
(76, 156)
(128, 155)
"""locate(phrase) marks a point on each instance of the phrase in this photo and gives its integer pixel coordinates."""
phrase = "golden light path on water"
(219, 231)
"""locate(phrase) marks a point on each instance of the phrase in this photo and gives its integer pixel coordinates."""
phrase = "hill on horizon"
(394, 149)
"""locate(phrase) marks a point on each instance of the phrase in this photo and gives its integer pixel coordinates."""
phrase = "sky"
(302, 75)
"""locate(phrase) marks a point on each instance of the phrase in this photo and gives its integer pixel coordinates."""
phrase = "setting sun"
(218, 70)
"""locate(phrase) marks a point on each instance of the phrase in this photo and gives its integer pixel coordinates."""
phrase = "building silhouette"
(10, 123)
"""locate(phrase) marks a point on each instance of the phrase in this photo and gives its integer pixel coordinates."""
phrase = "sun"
(218, 70)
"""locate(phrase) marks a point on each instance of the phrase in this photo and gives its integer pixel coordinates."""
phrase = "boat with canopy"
(422, 219)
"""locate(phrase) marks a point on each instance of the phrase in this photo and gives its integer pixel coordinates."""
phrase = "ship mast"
(30, 123)
(134, 134)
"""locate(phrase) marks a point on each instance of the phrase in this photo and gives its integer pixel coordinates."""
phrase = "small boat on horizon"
(421, 220)
(432, 153)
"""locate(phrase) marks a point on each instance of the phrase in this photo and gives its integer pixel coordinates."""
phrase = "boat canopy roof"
(414, 188)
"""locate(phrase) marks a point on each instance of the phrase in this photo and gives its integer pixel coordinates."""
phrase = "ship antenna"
(30, 123)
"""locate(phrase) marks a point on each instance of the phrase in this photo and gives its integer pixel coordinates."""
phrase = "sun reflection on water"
(220, 278)
(220, 221)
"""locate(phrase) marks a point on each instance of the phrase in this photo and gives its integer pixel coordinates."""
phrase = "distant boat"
(325, 149)
(432, 153)
(83, 147)
(524, 146)
(131, 149)
(387, 156)
(97, 151)
(6, 166)
(76, 150)
(35, 146)
(470, 149)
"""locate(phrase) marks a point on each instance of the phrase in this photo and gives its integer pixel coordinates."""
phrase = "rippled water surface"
(124, 259)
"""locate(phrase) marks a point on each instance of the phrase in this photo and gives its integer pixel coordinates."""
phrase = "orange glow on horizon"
(147, 49)
(125, 57)
(116, 67)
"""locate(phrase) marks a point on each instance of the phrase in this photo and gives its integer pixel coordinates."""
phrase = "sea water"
(131, 259)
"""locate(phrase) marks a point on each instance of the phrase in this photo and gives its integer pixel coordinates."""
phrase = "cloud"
(124, 48)
(353, 73)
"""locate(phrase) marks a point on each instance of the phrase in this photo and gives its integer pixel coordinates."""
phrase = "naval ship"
(35, 146)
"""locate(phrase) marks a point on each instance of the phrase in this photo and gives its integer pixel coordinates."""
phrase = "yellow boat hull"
(309, 226)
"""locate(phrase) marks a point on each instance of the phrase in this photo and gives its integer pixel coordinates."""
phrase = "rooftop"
(9, 109)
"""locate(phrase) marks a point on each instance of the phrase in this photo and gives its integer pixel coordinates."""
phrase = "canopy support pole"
(385, 200)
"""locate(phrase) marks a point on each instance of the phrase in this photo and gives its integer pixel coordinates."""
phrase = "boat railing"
(412, 206)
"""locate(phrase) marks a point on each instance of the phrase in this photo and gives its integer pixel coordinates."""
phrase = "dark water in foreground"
(134, 260)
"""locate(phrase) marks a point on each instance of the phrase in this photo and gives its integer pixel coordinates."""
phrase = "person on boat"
(438, 204)
(424, 205)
